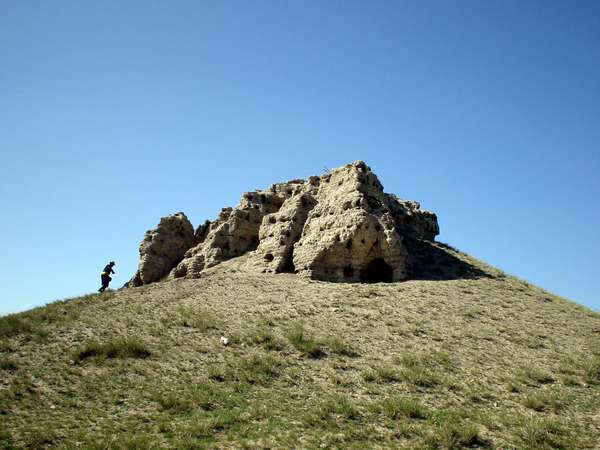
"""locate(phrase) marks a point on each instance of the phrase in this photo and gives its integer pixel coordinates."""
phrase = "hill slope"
(488, 361)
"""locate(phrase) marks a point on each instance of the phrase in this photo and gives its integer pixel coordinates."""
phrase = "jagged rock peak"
(162, 248)
(340, 226)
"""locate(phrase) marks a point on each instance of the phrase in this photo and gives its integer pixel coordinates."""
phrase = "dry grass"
(490, 362)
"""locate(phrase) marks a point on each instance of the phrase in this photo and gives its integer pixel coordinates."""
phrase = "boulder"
(162, 248)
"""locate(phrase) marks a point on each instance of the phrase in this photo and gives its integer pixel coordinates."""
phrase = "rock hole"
(268, 257)
(377, 271)
(272, 219)
(288, 266)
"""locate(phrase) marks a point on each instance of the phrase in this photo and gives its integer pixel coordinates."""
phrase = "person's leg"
(104, 283)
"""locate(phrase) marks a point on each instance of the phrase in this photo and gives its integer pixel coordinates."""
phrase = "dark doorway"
(348, 272)
(377, 271)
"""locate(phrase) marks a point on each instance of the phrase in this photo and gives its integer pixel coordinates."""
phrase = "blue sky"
(113, 114)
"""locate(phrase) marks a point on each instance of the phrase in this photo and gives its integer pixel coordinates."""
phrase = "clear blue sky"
(113, 114)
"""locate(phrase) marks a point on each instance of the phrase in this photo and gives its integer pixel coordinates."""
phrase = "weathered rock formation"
(340, 226)
(236, 230)
(162, 248)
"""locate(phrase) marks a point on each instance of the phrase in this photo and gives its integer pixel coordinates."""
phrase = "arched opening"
(377, 271)
(348, 272)
(288, 265)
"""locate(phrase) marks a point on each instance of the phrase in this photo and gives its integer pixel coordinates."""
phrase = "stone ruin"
(339, 227)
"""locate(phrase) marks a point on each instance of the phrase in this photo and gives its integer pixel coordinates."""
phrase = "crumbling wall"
(340, 226)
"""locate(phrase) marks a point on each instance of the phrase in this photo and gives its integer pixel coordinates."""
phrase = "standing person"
(105, 277)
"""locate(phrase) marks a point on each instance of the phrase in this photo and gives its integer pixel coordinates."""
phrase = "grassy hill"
(480, 360)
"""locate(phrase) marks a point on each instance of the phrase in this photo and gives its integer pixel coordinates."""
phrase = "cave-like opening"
(377, 271)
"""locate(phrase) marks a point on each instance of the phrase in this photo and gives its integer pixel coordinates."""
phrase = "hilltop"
(317, 313)
(486, 361)
(340, 226)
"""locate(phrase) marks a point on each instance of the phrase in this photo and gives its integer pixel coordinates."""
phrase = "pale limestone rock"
(162, 248)
(236, 231)
(340, 226)
(350, 234)
(411, 220)
(282, 229)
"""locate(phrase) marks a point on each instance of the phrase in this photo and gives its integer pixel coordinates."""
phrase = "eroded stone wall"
(339, 226)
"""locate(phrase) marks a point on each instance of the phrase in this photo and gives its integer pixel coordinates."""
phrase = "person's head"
(112, 263)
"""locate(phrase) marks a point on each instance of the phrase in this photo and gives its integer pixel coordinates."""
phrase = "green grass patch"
(591, 371)
(454, 431)
(457, 436)
(254, 369)
(197, 318)
(258, 369)
(338, 408)
(339, 346)
(40, 438)
(205, 426)
(382, 374)
(118, 348)
(401, 407)
(195, 397)
(15, 324)
(118, 441)
(19, 389)
(304, 342)
(420, 369)
(265, 338)
(531, 374)
(34, 321)
(8, 364)
(543, 401)
(542, 434)
(420, 376)
(5, 346)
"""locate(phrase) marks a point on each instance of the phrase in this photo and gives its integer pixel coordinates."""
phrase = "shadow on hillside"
(438, 261)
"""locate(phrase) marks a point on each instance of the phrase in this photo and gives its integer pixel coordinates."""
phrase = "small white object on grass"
(224, 340)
